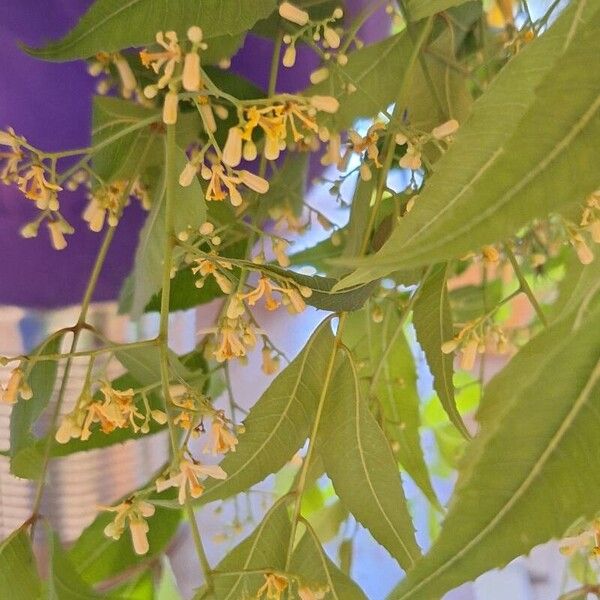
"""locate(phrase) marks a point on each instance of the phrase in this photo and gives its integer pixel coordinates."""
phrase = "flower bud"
(292, 13)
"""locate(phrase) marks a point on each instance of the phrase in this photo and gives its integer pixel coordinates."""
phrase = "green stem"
(524, 286)
(163, 334)
(79, 327)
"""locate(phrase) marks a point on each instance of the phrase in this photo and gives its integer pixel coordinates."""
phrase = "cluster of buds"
(186, 476)
(473, 339)
(107, 202)
(23, 166)
(191, 409)
(117, 410)
(276, 121)
(223, 181)
(234, 338)
(411, 159)
(213, 267)
(587, 541)
(131, 513)
(102, 65)
(289, 295)
(322, 31)
(589, 225)
(176, 69)
(223, 440)
(16, 387)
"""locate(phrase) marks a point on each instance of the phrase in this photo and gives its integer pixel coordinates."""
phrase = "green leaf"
(364, 69)
(360, 464)
(420, 9)
(316, 571)
(42, 379)
(493, 180)
(140, 588)
(97, 557)
(278, 424)
(111, 25)
(387, 364)
(167, 588)
(129, 141)
(322, 296)
(184, 293)
(432, 320)
(527, 476)
(265, 548)
(375, 92)
(190, 211)
(64, 583)
(18, 570)
(326, 521)
(579, 287)
(287, 186)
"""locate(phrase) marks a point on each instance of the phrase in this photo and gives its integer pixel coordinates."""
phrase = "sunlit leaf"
(527, 476)
(433, 323)
(493, 180)
(317, 572)
(265, 548)
(364, 474)
(279, 423)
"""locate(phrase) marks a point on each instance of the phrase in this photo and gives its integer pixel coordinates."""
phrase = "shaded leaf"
(18, 571)
(419, 9)
(317, 572)
(364, 474)
(129, 153)
(42, 379)
(527, 476)
(64, 583)
(388, 368)
(189, 211)
(432, 320)
(278, 424)
(265, 548)
(493, 180)
(97, 557)
(111, 25)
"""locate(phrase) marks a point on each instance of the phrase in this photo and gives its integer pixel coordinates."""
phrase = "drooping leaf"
(322, 296)
(493, 180)
(42, 379)
(433, 324)
(189, 212)
(387, 365)
(111, 25)
(18, 571)
(97, 557)
(278, 424)
(527, 476)
(364, 474)
(265, 548)
(317, 572)
(185, 294)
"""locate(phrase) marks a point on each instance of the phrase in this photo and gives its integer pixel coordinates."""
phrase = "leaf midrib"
(525, 485)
